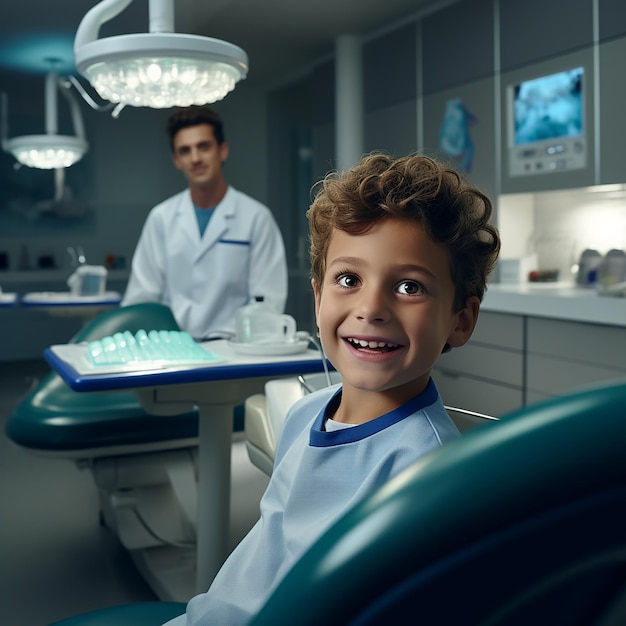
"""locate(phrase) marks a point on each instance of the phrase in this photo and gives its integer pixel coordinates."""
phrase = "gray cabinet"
(514, 360)
(485, 375)
(535, 30)
(390, 121)
(380, 57)
(612, 18)
(562, 356)
(611, 99)
(457, 45)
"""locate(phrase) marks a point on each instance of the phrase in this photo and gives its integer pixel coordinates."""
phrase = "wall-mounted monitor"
(546, 123)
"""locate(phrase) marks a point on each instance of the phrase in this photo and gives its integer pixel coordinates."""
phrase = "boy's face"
(385, 308)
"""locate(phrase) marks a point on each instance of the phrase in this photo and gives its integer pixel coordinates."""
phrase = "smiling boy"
(385, 312)
(400, 254)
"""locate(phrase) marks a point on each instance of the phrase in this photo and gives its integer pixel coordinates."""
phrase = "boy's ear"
(316, 293)
(465, 322)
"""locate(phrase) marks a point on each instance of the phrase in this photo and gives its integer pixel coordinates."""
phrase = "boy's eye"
(410, 288)
(347, 280)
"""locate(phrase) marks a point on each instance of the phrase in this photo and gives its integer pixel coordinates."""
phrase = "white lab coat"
(205, 280)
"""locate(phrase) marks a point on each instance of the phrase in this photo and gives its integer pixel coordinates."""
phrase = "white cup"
(262, 326)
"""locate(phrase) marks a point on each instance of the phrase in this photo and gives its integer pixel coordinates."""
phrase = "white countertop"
(67, 298)
(557, 301)
(28, 277)
(8, 299)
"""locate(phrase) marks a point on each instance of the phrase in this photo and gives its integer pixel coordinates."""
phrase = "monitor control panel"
(564, 154)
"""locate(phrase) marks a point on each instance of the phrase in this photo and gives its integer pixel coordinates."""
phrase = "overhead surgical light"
(158, 69)
(49, 151)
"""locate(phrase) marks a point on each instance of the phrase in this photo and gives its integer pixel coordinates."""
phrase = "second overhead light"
(158, 69)
(52, 150)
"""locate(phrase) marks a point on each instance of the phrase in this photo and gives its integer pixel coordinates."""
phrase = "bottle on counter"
(588, 268)
(612, 269)
(259, 323)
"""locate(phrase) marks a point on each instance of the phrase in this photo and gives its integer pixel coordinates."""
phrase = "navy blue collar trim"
(319, 438)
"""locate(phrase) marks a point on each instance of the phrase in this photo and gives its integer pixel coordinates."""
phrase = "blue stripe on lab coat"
(236, 242)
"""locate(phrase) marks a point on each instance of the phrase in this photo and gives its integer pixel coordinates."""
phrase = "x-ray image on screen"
(549, 107)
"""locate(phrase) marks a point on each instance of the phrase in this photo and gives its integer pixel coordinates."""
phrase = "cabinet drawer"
(604, 346)
(550, 376)
(477, 395)
(479, 361)
(500, 330)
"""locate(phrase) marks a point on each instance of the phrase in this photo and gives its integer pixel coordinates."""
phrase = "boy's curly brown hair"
(417, 188)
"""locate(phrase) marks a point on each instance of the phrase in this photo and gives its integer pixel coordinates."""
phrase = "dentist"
(209, 249)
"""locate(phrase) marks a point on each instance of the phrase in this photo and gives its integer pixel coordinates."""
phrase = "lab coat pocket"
(233, 256)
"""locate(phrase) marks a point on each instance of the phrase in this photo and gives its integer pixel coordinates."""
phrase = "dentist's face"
(385, 308)
(198, 156)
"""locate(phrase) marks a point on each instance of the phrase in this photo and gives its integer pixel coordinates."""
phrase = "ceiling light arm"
(161, 18)
(53, 84)
(71, 81)
(89, 27)
(77, 118)
(51, 104)
(161, 13)
(59, 184)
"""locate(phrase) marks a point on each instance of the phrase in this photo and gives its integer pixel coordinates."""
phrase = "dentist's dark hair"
(184, 117)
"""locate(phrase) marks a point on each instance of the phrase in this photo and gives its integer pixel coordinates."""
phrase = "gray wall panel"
(458, 44)
(323, 93)
(392, 129)
(478, 98)
(612, 112)
(390, 68)
(612, 18)
(538, 29)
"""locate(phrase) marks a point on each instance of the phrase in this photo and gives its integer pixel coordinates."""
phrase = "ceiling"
(281, 37)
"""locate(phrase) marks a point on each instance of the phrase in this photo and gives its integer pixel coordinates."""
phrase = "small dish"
(269, 349)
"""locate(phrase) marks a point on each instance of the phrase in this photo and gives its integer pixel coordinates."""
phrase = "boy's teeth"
(370, 344)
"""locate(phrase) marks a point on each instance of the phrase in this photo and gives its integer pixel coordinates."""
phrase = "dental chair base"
(150, 502)
(147, 491)
(144, 466)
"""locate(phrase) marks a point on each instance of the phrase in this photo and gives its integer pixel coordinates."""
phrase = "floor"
(56, 560)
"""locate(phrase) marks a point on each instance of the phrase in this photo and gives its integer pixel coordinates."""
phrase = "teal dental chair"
(521, 521)
(98, 422)
(143, 465)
